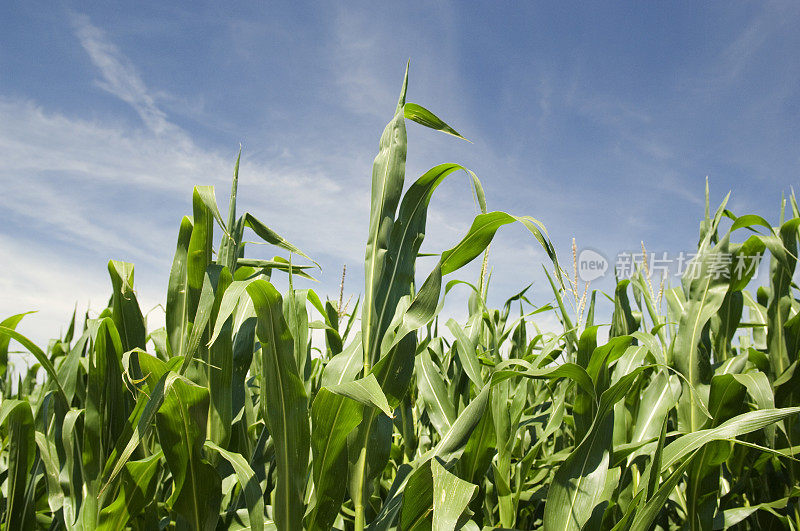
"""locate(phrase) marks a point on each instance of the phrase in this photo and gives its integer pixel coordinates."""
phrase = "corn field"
(254, 409)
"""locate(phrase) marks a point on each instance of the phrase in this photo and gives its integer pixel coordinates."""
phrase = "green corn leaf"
(739, 425)
(333, 418)
(730, 517)
(567, 370)
(423, 116)
(220, 365)
(345, 366)
(394, 500)
(706, 292)
(423, 308)
(294, 308)
(181, 423)
(231, 242)
(415, 489)
(388, 174)
(177, 311)
(452, 444)
(146, 416)
(479, 450)
(365, 391)
(208, 197)
(648, 513)
(466, 353)
(137, 489)
(40, 356)
(579, 484)
(417, 509)
(48, 453)
(272, 237)
(780, 300)
(433, 498)
(408, 233)
(198, 253)
(16, 416)
(451, 495)
(623, 322)
(70, 486)
(726, 399)
(215, 280)
(253, 495)
(658, 398)
(284, 405)
(108, 404)
(233, 295)
(433, 390)
(125, 308)
(10, 323)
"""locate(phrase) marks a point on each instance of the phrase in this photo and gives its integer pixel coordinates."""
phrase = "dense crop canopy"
(233, 416)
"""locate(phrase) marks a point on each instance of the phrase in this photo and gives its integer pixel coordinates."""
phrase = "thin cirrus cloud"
(81, 191)
(119, 77)
(109, 189)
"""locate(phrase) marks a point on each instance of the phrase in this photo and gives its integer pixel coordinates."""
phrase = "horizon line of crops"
(223, 418)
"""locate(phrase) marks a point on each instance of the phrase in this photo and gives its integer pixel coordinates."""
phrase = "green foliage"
(235, 416)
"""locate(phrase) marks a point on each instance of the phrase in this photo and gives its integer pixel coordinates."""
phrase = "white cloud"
(104, 189)
(44, 153)
(79, 191)
(120, 77)
(37, 278)
(774, 19)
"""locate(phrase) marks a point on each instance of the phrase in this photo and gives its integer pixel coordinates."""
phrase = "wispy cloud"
(356, 60)
(105, 189)
(53, 283)
(774, 19)
(119, 76)
(82, 190)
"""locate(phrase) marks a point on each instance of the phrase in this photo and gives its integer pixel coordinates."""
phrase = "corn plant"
(396, 417)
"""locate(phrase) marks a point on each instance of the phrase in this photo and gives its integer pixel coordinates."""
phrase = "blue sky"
(600, 120)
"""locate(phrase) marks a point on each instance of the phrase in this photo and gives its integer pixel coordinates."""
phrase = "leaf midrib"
(283, 408)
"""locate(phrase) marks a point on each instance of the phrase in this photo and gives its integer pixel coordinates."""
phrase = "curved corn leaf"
(423, 307)
(466, 353)
(739, 425)
(706, 292)
(40, 356)
(648, 513)
(10, 323)
(108, 405)
(48, 453)
(247, 482)
(272, 237)
(365, 391)
(408, 233)
(137, 488)
(451, 495)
